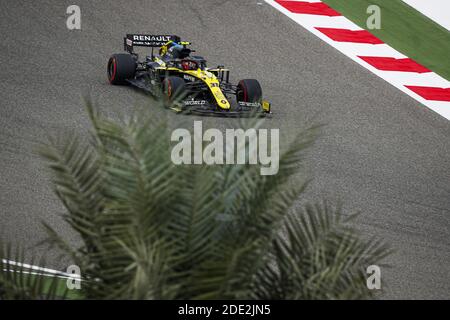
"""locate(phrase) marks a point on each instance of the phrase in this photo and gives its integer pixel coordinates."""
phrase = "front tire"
(174, 88)
(121, 67)
(249, 90)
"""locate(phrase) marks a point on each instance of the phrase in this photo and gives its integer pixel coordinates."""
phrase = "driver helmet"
(170, 49)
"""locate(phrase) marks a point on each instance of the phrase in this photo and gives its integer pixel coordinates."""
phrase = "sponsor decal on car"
(139, 37)
(149, 40)
(189, 78)
(249, 104)
(195, 102)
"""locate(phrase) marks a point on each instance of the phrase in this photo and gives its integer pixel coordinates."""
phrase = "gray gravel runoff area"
(380, 152)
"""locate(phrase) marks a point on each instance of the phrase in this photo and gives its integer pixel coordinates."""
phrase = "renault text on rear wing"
(147, 40)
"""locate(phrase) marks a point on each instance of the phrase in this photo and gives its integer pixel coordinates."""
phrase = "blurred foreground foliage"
(154, 230)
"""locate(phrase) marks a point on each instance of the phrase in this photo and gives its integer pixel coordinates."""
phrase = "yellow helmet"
(164, 48)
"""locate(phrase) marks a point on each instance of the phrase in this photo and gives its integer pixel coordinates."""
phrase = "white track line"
(43, 271)
(436, 10)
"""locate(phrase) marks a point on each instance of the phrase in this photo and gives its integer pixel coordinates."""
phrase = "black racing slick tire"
(121, 66)
(249, 90)
(174, 88)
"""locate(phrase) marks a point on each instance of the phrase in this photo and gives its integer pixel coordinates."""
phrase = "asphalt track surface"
(381, 152)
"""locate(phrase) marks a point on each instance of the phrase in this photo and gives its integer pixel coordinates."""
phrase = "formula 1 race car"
(184, 81)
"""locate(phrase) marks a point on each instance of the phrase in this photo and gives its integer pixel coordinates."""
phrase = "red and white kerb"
(370, 52)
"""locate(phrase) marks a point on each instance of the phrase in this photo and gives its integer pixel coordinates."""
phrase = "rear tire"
(249, 90)
(121, 67)
(174, 88)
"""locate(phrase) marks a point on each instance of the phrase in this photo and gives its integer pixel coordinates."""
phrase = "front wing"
(204, 107)
(191, 105)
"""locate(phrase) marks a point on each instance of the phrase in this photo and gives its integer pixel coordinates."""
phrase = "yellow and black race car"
(184, 80)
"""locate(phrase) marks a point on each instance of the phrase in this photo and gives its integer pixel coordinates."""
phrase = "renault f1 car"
(184, 81)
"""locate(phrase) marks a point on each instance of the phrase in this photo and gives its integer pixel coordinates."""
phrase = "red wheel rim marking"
(114, 70)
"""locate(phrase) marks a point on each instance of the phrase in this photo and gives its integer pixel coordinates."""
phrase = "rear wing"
(146, 40)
